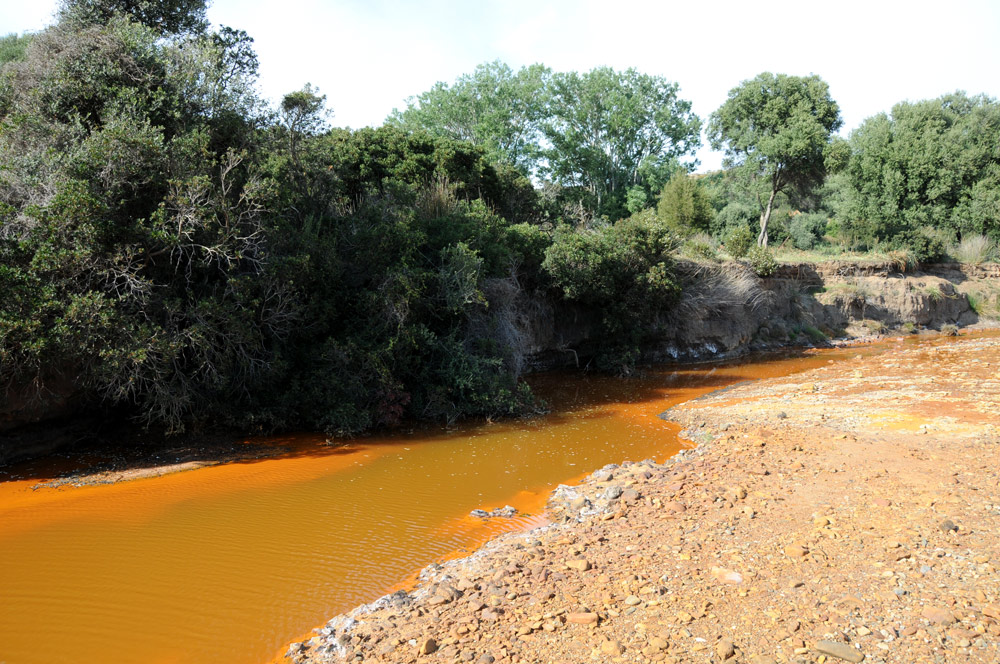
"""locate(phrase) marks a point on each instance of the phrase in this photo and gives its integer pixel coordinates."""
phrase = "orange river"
(227, 564)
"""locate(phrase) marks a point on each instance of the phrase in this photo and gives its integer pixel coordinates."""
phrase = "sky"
(369, 56)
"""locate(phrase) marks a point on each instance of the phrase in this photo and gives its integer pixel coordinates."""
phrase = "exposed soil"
(846, 513)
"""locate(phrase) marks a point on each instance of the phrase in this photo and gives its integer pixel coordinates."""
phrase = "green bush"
(684, 205)
(807, 230)
(623, 270)
(738, 240)
(761, 261)
(732, 215)
(924, 247)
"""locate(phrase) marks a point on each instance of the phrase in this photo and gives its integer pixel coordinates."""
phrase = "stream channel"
(229, 563)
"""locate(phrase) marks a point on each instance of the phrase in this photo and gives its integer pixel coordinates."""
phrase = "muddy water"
(227, 564)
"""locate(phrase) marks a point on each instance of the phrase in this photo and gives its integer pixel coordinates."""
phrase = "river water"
(227, 564)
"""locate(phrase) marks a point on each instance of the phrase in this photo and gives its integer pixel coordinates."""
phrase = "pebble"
(948, 526)
(582, 618)
(840, 651)
(938, 615)
(725, 649)
(428, 646)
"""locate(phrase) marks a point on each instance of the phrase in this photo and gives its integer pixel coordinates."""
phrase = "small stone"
(763, 659)
(725, 649)
(821, 522)
(580, 565)
(796, 551)
(578, 503)
(674, 506)
(948, 526)
(613, 492)
(612, 647)
(582, 618)
(632, 600)
(938, 615)
(428, 646)
(840, 651)
(723, 575)
(630, 495)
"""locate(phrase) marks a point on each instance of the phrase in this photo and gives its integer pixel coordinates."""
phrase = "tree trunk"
(765, 217)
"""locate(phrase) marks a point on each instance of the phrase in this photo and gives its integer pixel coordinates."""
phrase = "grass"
(984, 299)
(974, 249)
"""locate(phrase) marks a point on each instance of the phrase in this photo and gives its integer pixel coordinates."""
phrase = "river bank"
(849, 512)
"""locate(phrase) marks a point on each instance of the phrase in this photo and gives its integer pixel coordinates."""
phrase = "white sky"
(368, 56)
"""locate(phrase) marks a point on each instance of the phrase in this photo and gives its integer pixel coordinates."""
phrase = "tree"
(931, 163)
(606, 126)
(684, 205)
(775, 130)
(163, 16)
(494, 108)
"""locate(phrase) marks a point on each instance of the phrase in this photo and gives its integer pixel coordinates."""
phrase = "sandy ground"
(847, 513)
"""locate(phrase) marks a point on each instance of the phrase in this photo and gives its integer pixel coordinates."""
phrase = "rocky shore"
(848, 513)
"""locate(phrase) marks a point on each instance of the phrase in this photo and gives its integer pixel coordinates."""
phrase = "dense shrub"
(623, 270)
(738, 240)
(762, 261)
(684, 205)
(807, 230)
(923, 247)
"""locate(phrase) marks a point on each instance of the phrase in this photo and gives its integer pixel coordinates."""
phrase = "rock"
(840, 651)
(506, 511)
(723, 575)
(674, 506)
(427, 646)
(613, 492)
(796, 551)
(582, 618)
(612, 648)
(486, 658)
(482, 514)
(632, 600)
(947, 526)
(821, 522)
(580, 565)
(630, 495)
(938, 615)
(763, 659)
(725, 649)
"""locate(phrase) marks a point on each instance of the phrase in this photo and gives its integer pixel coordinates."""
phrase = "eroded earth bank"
(847, 513)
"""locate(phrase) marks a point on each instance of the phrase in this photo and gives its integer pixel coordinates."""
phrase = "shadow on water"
(122, 450)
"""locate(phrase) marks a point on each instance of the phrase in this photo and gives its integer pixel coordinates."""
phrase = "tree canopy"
(494, 107)
(594, 135)
(775, 130)
(933, 163)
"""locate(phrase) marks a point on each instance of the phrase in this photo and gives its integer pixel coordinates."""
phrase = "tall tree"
(164, 16)
(930, 163)
(775, 130)
(606, 126)
(494, 107)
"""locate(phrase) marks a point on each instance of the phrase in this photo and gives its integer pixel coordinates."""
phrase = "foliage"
(684, 206)
(807, 229)
(493, 108)
(761, 261)
(605, 126)
(738, 240)
(931, 163)
(625, 271)
(922, 246)
(776, 132)
(163, 16)
(133, 254)
(13, 47)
